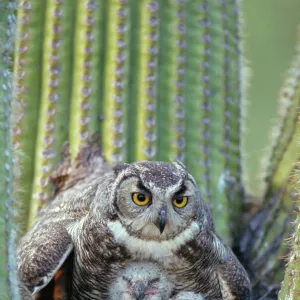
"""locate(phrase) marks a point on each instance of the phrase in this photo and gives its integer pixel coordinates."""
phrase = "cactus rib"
(147, 78)
(115, 74)
(170, 99)
(195, 20)
(8, 268)
(84, 102)
(54, 106)
(28, 52)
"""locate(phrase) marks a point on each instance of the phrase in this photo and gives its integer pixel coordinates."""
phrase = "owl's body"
(147, 211)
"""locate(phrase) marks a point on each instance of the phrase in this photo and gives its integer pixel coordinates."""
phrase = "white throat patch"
(162, 251)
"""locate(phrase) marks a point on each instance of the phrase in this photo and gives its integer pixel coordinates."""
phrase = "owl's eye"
(180, 201)
(140, 199)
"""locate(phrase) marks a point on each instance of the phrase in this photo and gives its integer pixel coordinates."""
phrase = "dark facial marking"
(141, 187)
(126, 278)
(182, 189)
(154, 280)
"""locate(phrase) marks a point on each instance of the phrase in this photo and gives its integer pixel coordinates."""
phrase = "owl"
(104, 217)
(146, 281)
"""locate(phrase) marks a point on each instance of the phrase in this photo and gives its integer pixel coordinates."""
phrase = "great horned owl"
(146, 281)
(132, 212)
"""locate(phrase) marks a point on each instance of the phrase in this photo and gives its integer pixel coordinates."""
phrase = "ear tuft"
(120, 167)
(180, 166)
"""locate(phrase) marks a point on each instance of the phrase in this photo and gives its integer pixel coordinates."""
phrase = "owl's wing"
(41, 253)
(219, 273)
(43, 249)
(233, 278)
(25, 294)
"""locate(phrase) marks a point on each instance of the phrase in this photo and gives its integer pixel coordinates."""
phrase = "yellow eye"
(180, 202)
(140, 199)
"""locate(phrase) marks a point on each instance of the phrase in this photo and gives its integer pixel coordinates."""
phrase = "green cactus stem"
(195, 111)
(285, 146)
(8, 270)
(84, 114)
(154, 69)
(271, 226)
(234, 90)
(55, 92)
(115, 76)
(217, 161)
(269, 252)
(284, 155)
(290, 288)
(28, 53)
(146, 147)
(170, 98)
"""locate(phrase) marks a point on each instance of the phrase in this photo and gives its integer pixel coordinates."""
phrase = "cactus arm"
(290, 287)
(28, 52)
(285, 143)
(54, 106)
(268, 251)
(115, 85)
(170, 100)
(265, 248)
(9, 282)
(288, 144)
(280, 212)
(285, 148)
(290, 139)
(84, 102)
(268, 244)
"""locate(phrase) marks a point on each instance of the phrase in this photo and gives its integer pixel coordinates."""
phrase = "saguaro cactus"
(150, 69)
(8, 225)
(291, 284)
(160, 80)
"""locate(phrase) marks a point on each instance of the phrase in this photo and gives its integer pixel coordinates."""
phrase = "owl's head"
(155, 200)
(141, 281)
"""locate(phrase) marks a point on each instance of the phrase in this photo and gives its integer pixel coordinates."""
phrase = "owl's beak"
(160, 222)
(139, 291)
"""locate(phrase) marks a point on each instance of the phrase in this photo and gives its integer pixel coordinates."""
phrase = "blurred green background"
(270, 37)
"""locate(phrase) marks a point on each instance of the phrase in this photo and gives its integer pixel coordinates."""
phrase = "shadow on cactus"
(160, 80)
